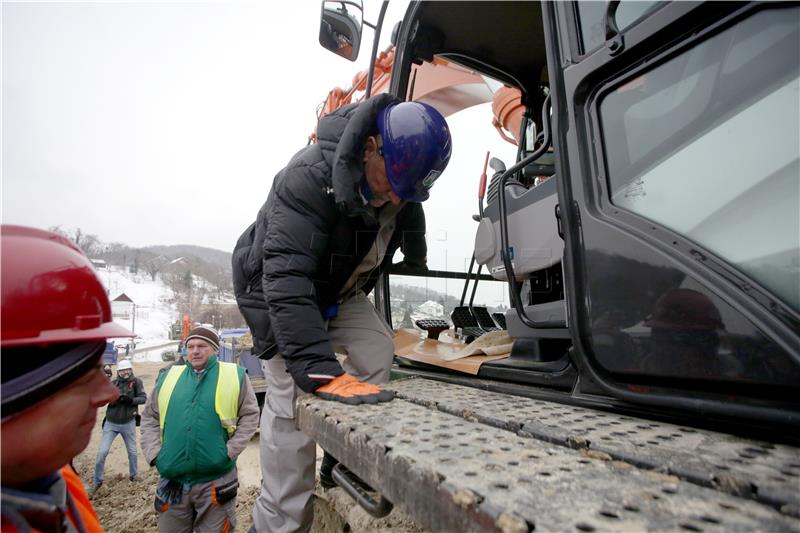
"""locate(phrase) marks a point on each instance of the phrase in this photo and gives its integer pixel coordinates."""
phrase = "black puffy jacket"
(122, 413)
(308, 238)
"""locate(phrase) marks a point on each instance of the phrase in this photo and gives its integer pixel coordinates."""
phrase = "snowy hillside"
(154, 310)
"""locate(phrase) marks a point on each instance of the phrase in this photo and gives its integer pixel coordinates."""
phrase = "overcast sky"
(164, 122)
(157, 122)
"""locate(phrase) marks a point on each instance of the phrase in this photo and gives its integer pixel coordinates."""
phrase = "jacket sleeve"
(299, 221)
(248, 420)
(412, 243)
(151, 429)
(139, 396)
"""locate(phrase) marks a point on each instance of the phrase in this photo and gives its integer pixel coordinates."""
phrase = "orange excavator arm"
(339, 97)
(446, 86)
(187, 324)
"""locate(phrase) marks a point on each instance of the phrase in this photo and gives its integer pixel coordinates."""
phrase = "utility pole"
(132, 344)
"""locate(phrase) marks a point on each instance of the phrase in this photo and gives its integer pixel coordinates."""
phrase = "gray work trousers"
(199, 510)
(288, 456)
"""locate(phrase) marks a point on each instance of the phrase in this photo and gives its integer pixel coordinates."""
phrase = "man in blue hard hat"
(334, 217)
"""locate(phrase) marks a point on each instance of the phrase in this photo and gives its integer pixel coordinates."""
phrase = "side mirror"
(395, 33)
(340, 27)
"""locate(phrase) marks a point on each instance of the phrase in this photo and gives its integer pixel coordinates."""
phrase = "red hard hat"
(685, 309)
(50, 292)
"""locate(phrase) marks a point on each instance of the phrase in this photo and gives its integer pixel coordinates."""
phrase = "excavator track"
(461, 459)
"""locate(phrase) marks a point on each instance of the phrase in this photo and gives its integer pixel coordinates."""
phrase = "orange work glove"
(347, 389)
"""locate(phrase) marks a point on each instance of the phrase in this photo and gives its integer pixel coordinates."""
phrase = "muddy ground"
(127, 507)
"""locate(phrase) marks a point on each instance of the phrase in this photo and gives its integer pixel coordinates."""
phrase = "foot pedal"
(463, 318)
(469, 334)
(362, 493)
(434, 326)
(465, 322)
(500, 318)
(484, 319)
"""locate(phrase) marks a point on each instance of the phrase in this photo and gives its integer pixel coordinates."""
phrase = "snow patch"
(154, 311)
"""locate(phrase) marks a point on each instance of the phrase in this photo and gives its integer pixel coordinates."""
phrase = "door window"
(708, 145)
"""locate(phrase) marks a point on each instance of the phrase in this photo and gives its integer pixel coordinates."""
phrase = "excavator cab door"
(679, 228)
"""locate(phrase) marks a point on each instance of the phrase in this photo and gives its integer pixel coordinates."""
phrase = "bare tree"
(154, 266)
(222, 280)
(89, 243)
(221, 315)
(58, 229)
(232, 317)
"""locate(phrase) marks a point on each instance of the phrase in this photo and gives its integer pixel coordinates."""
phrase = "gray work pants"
(288, 456)
(199, 510)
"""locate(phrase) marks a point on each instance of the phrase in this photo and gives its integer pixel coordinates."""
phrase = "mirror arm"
(371, 71)
(614, 41)
(612, 30)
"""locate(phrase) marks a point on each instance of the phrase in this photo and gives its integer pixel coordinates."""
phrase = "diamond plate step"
(453, 473)
(767, 472)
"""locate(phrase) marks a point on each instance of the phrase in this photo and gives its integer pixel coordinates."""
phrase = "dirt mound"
(127, 506)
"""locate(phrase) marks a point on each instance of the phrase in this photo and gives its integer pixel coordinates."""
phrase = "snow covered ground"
(154, 310)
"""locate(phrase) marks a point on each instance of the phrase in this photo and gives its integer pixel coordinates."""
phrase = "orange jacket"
(75, 490)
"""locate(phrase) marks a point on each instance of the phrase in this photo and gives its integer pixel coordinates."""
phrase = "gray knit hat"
(205, 334)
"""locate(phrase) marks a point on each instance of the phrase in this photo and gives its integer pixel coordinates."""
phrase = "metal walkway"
(462, 459)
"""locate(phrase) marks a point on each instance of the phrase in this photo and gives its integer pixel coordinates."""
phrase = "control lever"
(497, 165)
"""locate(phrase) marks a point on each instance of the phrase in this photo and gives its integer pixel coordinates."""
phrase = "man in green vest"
(197, 421)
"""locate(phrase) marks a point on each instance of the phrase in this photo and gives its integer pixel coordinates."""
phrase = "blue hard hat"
(416, 148)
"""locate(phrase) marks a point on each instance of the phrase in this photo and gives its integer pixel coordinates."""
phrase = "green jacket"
(194, 442)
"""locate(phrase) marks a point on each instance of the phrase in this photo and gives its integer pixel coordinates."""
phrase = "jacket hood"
(341, 137)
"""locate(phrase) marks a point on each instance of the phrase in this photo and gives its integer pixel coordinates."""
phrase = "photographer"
(121, 419)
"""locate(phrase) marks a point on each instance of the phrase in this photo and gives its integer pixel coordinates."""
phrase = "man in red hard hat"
(56, 318)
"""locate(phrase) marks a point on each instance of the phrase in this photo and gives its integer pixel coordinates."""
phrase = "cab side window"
(707, 144)
(592, 19)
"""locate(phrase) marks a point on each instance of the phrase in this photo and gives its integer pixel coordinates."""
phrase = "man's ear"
(371, 146)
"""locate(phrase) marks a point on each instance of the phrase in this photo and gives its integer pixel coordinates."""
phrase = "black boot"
(326, 471)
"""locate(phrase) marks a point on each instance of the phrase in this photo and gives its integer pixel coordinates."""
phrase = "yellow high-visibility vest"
(226, 399)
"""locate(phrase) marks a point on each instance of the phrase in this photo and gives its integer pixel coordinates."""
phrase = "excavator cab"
(644, 246)
(600, 211)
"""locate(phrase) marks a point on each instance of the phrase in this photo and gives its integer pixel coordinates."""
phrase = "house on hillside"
(122, 307)
(99, 264)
